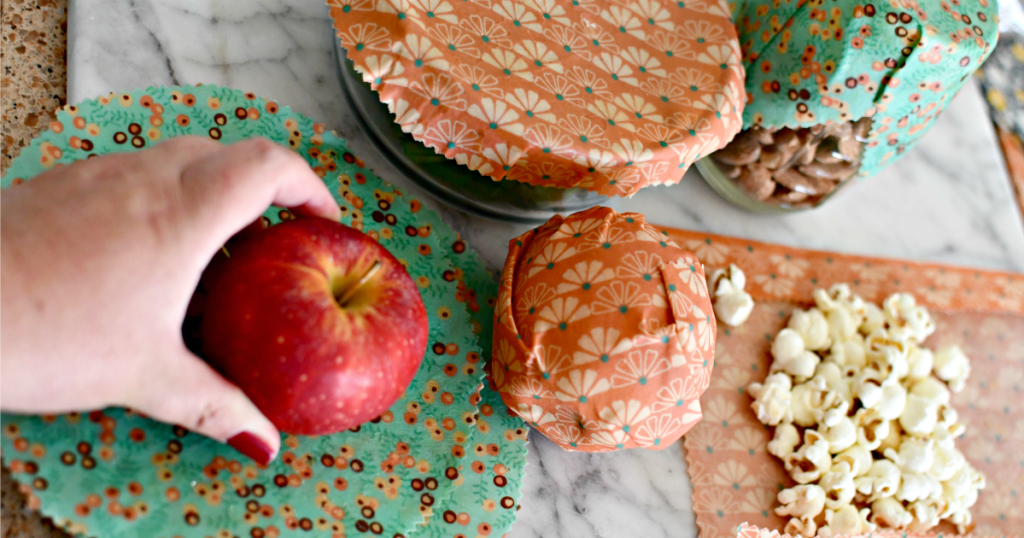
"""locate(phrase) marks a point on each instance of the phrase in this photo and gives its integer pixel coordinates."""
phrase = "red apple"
(317, 323)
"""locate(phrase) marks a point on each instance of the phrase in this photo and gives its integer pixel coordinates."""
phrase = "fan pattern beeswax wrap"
(609, 96)
(604, 333)
(440, 462)
(736, 481)
(899, 62)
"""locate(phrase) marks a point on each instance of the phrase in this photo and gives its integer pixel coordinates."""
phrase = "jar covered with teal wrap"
(838, 89)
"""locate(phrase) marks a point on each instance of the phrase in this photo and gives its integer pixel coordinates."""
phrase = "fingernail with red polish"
(252, 446)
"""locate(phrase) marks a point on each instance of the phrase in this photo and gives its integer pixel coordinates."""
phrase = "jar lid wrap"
(605, 96)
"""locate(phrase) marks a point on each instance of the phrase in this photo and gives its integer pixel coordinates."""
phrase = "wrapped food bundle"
(841, 89)
(604, 333)
(605, 96)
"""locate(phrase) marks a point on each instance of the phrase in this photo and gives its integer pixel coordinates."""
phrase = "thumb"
(182, 389)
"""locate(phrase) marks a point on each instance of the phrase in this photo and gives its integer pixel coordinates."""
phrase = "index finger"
(228, 189)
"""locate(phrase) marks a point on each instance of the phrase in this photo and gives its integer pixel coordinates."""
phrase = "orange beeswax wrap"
(736, 481)
(604, 333)
(609, 96)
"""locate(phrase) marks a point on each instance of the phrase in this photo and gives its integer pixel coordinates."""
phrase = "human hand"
(99, 261)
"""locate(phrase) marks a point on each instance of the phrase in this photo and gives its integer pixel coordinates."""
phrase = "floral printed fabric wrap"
(446, 450)
(604, 333)
(605, 96)
(736, 481)
(899, 62)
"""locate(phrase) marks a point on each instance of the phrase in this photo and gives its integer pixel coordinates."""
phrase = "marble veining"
(949, 200)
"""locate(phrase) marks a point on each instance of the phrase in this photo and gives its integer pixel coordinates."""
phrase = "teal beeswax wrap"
(898, 61)
(114, 473)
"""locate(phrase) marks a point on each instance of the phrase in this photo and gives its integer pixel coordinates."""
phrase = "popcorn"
(857, 457)
(894, 399)
(834, 415)
(851, 353)
(919, 363)
(920, 415)
(791, 356)
(786, 346)
(727, 280)
(854, 381)
(881, 480)
(800, 527)
(732, 305)
(948, 461)
(842, 324)
(837, 296)
(931, 389)
(887, 354)
(944, 438)
(810, 401)
(904, 317)
(804, 503)
(888, 512)
(926, 515)
(812, 327)
(803, 365)
(960, 493)
(952, 366)
(967, 478)
(873, 319)
(838, 486)
(918, 486)
(784, 441)
(871, 428)
(948, 422)
(867, 386)
(811, 460)
(772, 399)
(835, 381)
(841, 436)
(893, 439)
(914, 455)
(846, 521)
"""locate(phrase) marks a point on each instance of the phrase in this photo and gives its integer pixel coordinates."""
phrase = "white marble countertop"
(948, 200)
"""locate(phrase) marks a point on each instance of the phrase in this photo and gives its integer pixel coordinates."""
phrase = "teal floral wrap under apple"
(898, 61)
(444, 460)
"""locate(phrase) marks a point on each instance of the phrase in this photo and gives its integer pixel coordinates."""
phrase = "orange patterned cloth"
(604, 333)
(735, 481)
(608, 96)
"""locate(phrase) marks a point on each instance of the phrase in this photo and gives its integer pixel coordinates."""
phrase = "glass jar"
(782, 170)
(446, 180)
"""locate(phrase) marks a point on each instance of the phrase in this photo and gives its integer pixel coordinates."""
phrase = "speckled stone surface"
(33, 38)
(19, 520)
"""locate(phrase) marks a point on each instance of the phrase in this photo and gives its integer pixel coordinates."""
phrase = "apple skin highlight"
(273, 326)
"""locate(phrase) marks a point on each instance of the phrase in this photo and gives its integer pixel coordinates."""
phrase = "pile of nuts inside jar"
(794, 167)
(863, 421)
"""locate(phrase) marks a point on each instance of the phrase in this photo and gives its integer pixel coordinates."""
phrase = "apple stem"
(365, 278)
